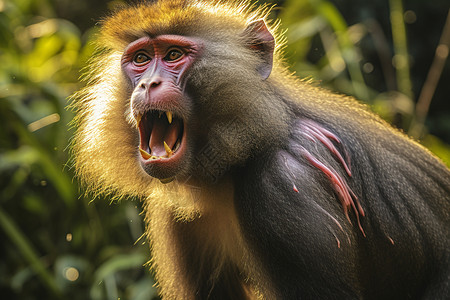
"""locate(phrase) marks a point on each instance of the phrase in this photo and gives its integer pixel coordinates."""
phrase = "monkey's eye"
(141, 58)
(173, 55)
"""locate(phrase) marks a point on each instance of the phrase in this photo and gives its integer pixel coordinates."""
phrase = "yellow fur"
(106, 154)
(105, 144)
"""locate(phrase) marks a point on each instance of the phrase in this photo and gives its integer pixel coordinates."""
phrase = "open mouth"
(161, 134)
(161, 142)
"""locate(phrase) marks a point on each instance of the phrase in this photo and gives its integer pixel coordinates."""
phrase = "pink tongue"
(162, 131)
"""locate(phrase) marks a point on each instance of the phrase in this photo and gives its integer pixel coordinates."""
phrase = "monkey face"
(156, 68)
(187, 103)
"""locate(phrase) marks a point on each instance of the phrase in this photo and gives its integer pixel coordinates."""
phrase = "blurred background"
(58, 243)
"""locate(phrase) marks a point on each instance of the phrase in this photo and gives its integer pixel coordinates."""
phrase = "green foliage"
(340, 54)
(56, 244)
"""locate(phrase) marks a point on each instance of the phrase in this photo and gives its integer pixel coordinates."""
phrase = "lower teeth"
(169, 152)
(168, 155)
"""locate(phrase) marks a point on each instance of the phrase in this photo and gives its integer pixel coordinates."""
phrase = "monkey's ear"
(262, 41)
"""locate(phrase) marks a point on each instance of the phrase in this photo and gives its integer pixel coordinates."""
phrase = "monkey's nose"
(151, 84)
(155, 83)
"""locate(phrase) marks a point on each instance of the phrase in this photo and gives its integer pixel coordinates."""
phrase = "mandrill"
(256, 185)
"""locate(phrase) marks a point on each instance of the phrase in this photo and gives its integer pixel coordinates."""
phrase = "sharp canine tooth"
(168, 150)
(138, 119)
(144, 154)
(169, 116)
